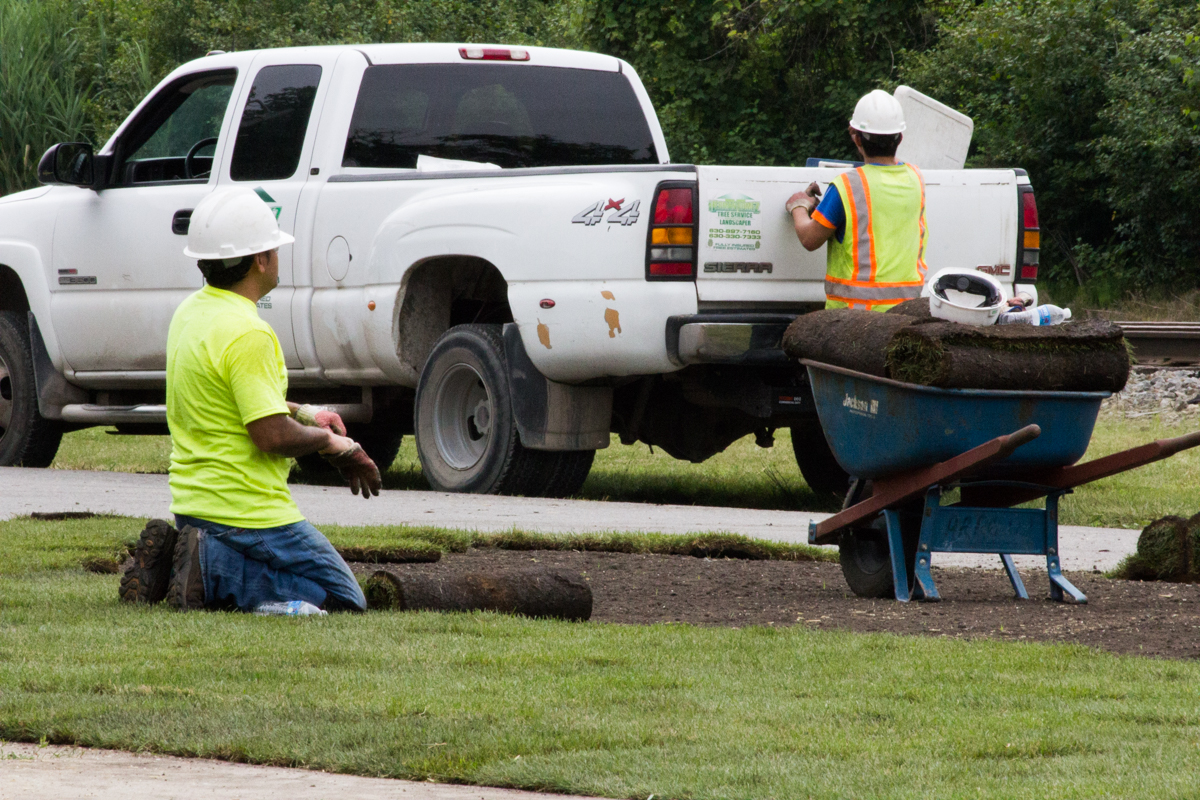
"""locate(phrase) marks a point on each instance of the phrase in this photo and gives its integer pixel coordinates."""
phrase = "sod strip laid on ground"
(750, 477)
(101, 543)
(620, 711)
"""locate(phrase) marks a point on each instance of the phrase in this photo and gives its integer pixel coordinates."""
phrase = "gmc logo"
(1003, 270)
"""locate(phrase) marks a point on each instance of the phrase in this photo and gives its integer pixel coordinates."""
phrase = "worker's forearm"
(811, 233)
(281, 435)
(300, 441)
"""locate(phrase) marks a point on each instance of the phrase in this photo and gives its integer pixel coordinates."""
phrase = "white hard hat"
(231, 223)
(966, 296)
(878, 112)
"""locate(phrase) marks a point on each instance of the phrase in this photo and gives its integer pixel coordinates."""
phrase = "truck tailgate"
(749, 253)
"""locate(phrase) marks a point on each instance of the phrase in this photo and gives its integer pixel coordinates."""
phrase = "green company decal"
(275, 207)
(736, 223)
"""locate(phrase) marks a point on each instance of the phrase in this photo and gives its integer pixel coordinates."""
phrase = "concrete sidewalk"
(24, 491)
(74, 773)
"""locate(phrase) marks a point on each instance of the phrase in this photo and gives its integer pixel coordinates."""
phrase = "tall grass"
(43, 94)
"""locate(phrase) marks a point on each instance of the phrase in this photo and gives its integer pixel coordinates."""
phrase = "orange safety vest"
(881, 259)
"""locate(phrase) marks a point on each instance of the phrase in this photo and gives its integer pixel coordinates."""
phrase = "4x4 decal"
(594, 213)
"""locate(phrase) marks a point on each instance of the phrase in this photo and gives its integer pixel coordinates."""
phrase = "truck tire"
(821, 471)
(27, 439)
(866, 558)
(467, 438)
(570, 470)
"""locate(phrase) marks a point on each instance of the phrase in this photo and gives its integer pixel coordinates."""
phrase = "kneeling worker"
(875, 216)
(242, 540)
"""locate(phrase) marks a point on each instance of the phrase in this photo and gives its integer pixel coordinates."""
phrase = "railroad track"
(1164, 344)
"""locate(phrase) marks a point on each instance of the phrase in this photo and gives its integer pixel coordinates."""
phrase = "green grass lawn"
(748, 476)
(621, 711)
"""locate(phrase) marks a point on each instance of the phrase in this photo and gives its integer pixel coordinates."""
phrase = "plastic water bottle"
(290, 608)
(1026, 317)
(1052, 315)
(1042, 315)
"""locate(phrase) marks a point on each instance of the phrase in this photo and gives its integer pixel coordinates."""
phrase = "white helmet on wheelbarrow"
(966, 296)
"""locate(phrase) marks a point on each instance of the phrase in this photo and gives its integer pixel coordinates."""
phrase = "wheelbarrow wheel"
(866, 558)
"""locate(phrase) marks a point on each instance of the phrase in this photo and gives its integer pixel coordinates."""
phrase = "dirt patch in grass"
(1151, 619)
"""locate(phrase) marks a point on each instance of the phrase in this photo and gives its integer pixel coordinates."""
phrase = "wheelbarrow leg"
(1014, 577)
(924, 588)
(1058, 582)
(896, 548)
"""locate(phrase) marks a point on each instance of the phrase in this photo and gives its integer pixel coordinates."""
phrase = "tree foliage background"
(1098, 99)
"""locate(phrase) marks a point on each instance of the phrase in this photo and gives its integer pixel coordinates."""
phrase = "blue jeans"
(245, 567)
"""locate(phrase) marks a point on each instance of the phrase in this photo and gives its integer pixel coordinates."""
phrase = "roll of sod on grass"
(532, 592)
(1167, 550)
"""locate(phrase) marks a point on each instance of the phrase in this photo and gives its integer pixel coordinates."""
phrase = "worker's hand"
(317, 417)
(805, 200)
(348, 457)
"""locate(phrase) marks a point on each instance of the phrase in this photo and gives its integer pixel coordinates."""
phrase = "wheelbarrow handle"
(1079, 474)
(895, 489)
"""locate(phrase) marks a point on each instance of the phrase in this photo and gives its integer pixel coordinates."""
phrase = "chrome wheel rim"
(462, 417)
(6, 396)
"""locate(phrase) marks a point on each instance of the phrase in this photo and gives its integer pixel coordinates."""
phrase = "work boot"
(149, 571)
(186, 592)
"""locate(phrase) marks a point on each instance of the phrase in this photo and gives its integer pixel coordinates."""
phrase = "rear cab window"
(270, 136)
(507, 115)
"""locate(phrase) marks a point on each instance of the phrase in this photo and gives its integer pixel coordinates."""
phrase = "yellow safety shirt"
(225, 369)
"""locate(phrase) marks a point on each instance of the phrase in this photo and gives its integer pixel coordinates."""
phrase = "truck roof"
(423, 53)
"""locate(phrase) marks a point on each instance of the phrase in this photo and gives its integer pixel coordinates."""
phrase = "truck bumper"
(750, 339)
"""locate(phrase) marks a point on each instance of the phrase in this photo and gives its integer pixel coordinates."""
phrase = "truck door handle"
(181, 221)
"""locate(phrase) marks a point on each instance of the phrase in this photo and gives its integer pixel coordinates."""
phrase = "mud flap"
(552, 415)
(53, 391)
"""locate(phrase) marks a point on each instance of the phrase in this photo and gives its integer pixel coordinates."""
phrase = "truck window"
(271, 133)
(513, 116)
(180, 118)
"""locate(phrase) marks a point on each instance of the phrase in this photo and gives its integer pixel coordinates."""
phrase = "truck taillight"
(673, 206)
(1029, 209)
(670, 246)
(1031, 236)
(494, 53)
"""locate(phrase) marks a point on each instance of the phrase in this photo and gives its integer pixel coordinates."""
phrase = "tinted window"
(514, 116)
(271, 133)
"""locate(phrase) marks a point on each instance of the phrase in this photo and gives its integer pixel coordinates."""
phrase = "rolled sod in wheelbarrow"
(844, 337)
(534, 592)
(1078, 356)
(1167, 550)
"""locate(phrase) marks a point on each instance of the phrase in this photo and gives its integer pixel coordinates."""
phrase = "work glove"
(317, 417)
(358, 469)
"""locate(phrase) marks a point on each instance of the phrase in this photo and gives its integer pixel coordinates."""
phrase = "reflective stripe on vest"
(881, 260)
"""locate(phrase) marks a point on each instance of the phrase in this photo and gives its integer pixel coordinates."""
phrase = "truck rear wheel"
(821, 471)
(467, 438)
(27, 439)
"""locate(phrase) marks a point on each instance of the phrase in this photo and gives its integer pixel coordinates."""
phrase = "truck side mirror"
(72, 163)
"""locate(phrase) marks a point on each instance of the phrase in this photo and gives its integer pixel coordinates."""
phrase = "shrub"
(44, 93)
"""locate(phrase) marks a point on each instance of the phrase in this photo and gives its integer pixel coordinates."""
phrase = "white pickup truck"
(493, 252)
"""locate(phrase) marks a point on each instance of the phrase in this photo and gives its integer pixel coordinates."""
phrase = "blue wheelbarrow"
(909, 447)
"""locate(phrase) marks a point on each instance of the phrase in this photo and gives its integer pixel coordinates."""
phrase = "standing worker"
(242, 541)
(875, 215)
